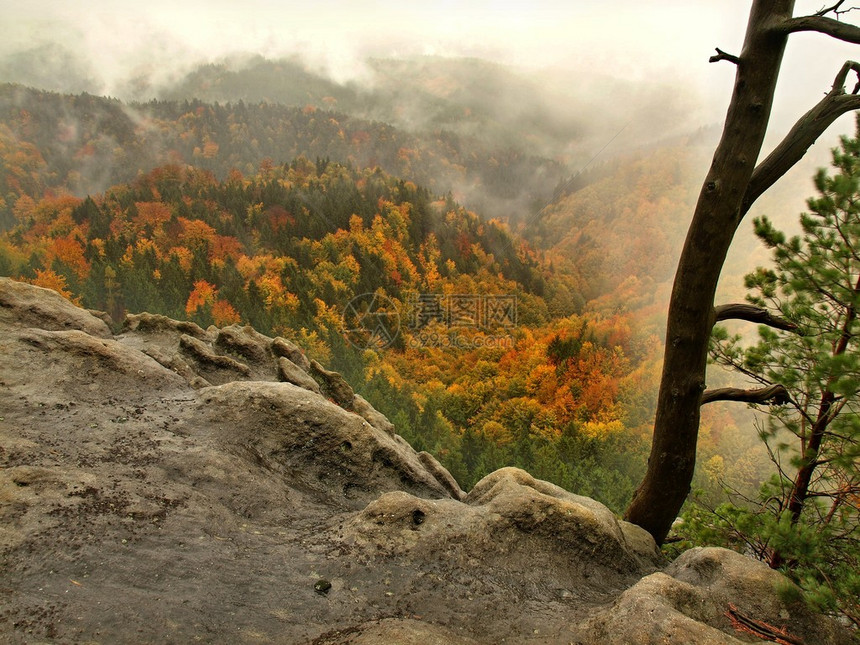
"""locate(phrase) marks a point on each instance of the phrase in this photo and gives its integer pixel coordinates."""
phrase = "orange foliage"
(51, 280)
(70, 253)
(223, 313)
(360, 137)
(195, 232)
(279, 218)
(210, 150)
(275, 295)
(153, 214)
(184, 256)
(24, 208)
(225, 246)
(202, 294)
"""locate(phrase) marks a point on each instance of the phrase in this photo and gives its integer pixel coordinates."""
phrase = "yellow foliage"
(316, 347)
(602, 429)
(249, 267)
(715, 468)
(387, 372)
(202, 294)
(51, 280)
(498, 433)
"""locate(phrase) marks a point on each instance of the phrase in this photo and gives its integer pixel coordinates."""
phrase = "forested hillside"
(562, 391)
(279, 206)
(85, 144)
(475, 98)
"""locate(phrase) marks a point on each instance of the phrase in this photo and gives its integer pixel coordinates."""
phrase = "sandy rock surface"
(171, 484)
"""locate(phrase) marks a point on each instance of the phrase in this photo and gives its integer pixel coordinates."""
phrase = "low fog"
(577, 83)
(638, 65)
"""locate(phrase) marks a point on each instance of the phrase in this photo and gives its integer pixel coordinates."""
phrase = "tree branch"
(751, 313)
(804, 133)
(773, 395)
(823, 25)
(721, 55)
(827, 10)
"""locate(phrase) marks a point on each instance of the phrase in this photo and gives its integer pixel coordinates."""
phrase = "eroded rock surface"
(176, 484)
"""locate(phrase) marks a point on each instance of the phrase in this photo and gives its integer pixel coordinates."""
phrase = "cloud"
(589, 45)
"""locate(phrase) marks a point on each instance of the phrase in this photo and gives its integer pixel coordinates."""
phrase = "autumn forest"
(277, 216)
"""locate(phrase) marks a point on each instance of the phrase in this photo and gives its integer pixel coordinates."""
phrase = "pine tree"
(806, 520)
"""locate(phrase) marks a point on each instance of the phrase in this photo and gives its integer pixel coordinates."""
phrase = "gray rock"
(366, 411)
(287, 349)
(24, 305)
(333, 385)
(289, 372)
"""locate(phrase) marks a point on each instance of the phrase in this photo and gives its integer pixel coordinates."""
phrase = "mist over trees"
(733, 183)
(805, 517)
(259, 191)
(86, 144)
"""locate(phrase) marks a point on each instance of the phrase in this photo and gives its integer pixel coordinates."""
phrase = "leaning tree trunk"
(718, 213)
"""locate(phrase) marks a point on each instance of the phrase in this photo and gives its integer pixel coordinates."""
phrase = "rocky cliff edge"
(175, 484)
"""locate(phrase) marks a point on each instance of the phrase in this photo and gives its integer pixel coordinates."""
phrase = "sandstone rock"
(756, 590)
(246, 342)
(103, 316)
(292, 373)
(317, 444)
(587, 527)
(286, 349)
(206, 358)
(553, 538)
(694, 599)
(25, 305)
(441, 474)
(333, 385)
(97, 359)
(175, 363)
(152, 323)
(396, 631)
(366, 411)
(134, 508)
(658, 609)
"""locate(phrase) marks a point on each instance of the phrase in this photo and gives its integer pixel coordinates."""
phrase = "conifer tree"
(735, 180)
(806, 520)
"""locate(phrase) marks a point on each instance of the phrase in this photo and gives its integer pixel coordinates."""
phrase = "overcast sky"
(669, 40)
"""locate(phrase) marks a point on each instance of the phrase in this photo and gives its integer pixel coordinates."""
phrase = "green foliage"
(821, 558)
(805, 519)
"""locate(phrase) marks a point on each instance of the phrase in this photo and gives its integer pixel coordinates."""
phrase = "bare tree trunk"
(718, 213)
